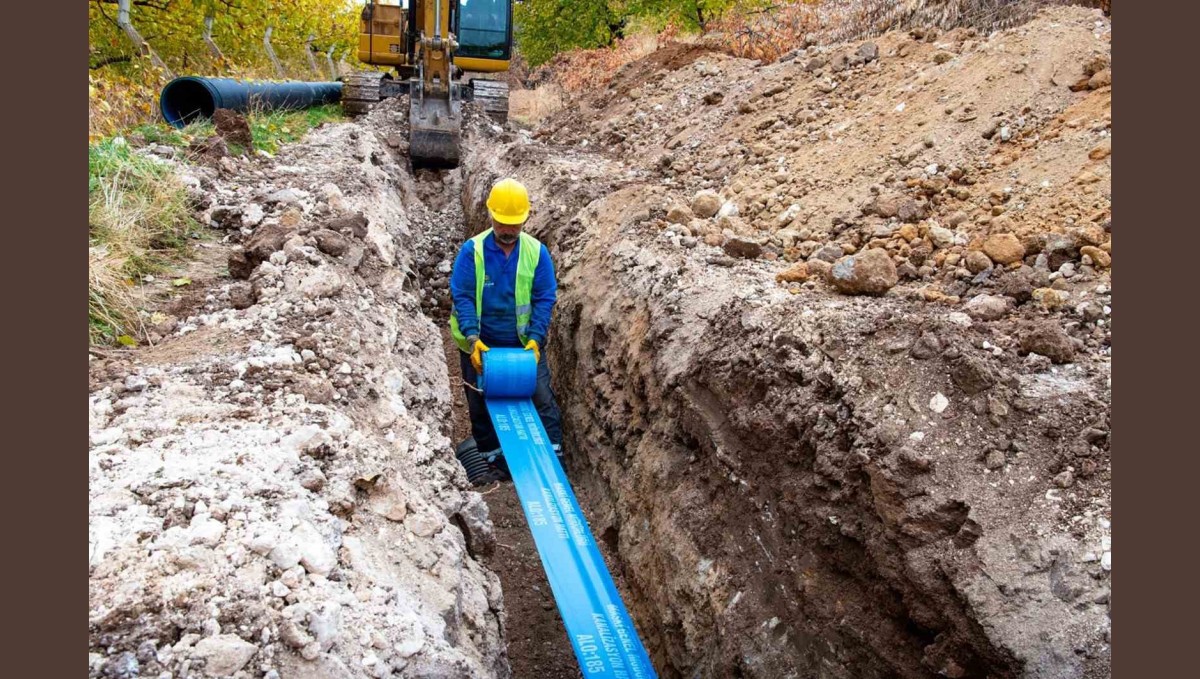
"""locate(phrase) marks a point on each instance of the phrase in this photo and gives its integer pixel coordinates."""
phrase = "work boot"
(480, 470)
(497, 464)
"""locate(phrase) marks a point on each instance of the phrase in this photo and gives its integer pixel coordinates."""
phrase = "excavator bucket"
(435, 126)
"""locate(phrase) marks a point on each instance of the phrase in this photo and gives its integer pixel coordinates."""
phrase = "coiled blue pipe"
(602, 634)
(191, 98)
(508, 373)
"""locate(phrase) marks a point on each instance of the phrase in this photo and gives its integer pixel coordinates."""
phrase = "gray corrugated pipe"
(191, 98)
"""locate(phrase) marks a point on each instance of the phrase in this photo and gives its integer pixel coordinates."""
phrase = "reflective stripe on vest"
(527, 262)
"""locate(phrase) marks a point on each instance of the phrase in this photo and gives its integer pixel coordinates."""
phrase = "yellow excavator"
(433, 45)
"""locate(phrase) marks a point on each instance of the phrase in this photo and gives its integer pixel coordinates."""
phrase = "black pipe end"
(186, 100)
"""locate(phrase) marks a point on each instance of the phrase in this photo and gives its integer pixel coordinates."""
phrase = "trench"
(537, 642)
(731, 500)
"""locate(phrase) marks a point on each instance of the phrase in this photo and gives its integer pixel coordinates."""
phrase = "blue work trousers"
(481, 422)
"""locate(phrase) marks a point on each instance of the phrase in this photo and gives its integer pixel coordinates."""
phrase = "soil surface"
(538, 645)
(537, 641)
(833, 348)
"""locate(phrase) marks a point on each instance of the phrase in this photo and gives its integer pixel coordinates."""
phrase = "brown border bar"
(45, 272)
(1155, 479)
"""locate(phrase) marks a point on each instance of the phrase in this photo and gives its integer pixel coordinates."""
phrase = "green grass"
(162, 133)
(139, 222)
(272, 129)
(269, 129)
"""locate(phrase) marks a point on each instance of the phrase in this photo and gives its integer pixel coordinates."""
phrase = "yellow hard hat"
(508, 203)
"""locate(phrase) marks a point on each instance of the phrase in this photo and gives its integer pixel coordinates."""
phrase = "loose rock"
(978, 262)
(829, 253)
(867, 273)
(867, 52)
(927, 346)
(939, 403)
(742, 247)
(354, 225)
(680, 214)
(1004, 248)
(224, 654)
(986, 307)
(288, 196)
(322, 282)
(941, 236)
(1048, 339)
(1049, 297)
(819, 269)
(331, 242)
(797, 273)
(706, 203)
(241, 295)
(1099, 257)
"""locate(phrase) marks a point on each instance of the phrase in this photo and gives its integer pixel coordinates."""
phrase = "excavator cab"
(432, 45)
(484, 32)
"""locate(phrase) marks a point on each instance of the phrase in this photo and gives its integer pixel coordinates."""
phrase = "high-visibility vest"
(527, 262)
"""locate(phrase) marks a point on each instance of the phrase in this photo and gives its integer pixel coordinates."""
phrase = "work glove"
(477, 349)
(532, 345)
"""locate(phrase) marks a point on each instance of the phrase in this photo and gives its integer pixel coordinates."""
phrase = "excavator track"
(434, 125)
(492, 95)
(360, 90)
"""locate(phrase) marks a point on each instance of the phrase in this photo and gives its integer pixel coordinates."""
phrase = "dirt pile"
(833, 348)
(942, 151)
(272, 491)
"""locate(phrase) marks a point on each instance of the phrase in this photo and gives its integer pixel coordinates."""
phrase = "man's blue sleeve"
(542, 298)
(462, 289)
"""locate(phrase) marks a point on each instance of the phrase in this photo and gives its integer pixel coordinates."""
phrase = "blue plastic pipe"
(602, 634)
(191, 98)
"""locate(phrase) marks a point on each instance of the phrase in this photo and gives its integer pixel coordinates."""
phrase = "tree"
(547, 27)
(183, 33)
(690, 15)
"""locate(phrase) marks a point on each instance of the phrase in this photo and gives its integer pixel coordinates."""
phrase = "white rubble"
(282, 489)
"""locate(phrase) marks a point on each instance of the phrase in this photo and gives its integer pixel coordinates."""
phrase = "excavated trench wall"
(272, 491)
(780, 497)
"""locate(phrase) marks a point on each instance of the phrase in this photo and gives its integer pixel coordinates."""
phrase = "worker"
(504, 290)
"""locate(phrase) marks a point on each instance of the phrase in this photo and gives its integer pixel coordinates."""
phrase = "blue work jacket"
(498, 326)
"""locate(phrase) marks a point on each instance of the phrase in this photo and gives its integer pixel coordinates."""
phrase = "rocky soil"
(272, 492)
(833, 346)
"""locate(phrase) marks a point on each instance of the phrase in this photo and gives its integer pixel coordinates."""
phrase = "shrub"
(138, 220)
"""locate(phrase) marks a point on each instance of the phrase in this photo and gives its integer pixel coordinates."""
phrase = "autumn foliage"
(765, 34)
(580, 69)
(123, 84)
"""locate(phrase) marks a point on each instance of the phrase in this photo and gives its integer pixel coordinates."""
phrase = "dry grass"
(139, 217)
(765, 35)
(530, 107)
(580, 70)
(139, 220)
